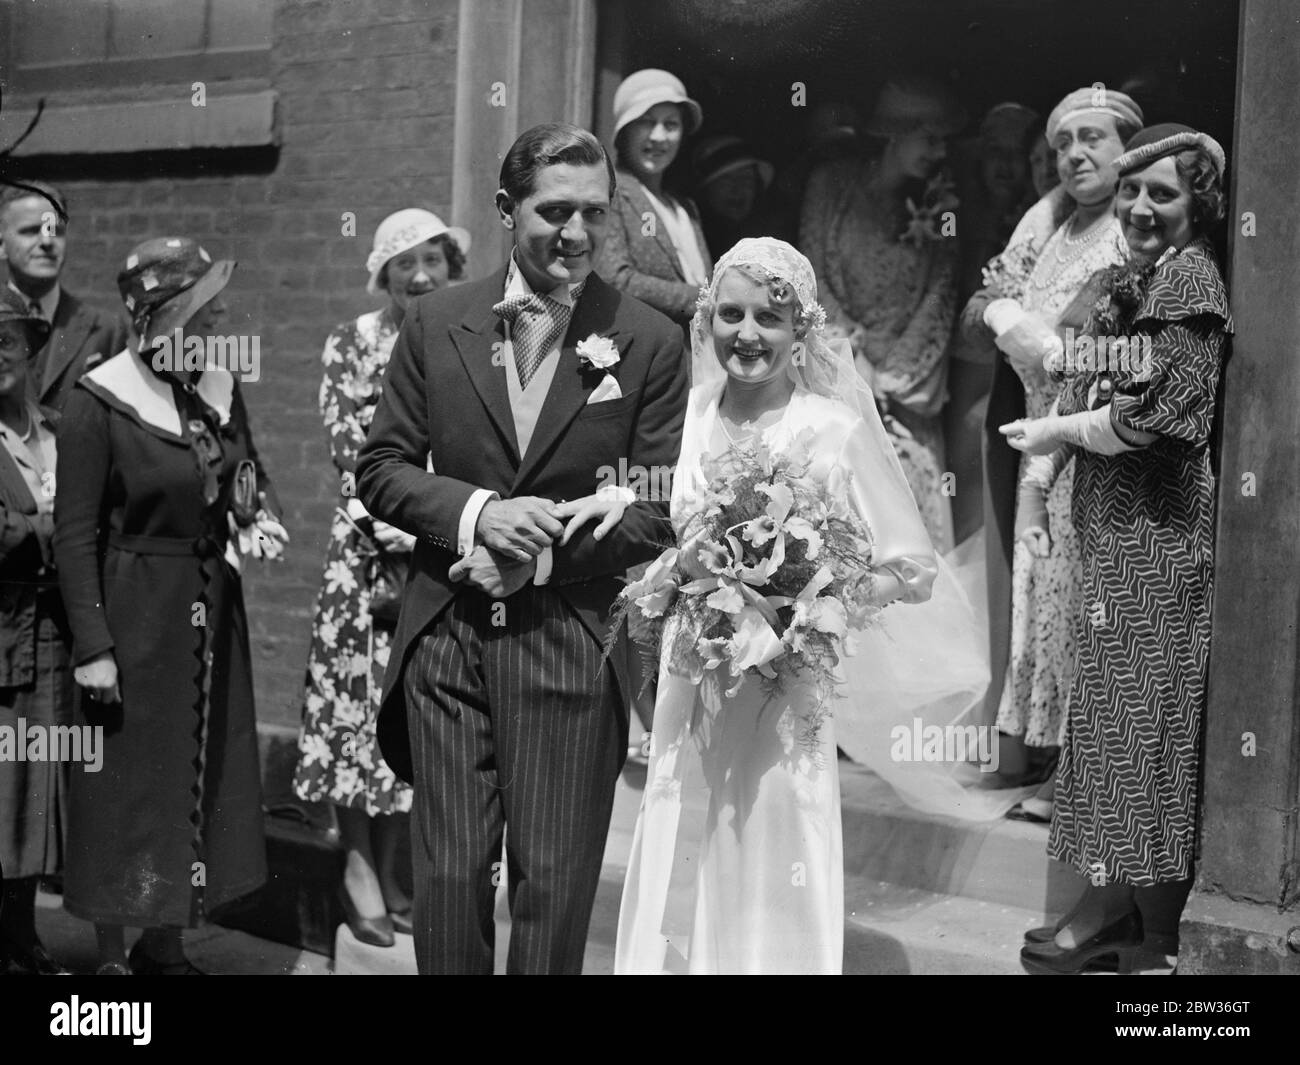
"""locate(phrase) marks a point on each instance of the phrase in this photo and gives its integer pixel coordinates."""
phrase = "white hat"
(639, 92)
(404, 230)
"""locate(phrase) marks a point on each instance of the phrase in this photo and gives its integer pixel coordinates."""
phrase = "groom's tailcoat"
(446, 401)
(445, 398)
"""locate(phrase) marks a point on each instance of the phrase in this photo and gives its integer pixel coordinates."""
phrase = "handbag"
(386, 589)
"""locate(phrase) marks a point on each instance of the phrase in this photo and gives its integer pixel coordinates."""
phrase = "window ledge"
(235, 120)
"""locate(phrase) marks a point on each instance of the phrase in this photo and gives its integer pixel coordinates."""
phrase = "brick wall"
(366, 100)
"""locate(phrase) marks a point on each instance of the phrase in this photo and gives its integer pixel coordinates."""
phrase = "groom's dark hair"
(546, 145)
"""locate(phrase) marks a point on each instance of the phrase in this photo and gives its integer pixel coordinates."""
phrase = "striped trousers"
(514, 730)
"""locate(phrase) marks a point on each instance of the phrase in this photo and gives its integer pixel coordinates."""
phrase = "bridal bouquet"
(769, 581)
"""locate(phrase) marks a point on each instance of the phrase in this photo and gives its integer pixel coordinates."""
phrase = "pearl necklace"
(1081, 243)
(1051, 271)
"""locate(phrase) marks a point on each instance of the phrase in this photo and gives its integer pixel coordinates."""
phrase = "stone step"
(1002, 862)
(894, 931)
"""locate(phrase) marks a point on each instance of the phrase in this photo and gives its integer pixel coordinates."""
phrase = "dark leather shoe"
(402, 921)
(376, 931)
(1045, 934)
(145, 964)
(1121, 939)
(113, 968)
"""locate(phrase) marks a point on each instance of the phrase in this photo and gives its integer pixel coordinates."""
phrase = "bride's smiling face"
(752, 336)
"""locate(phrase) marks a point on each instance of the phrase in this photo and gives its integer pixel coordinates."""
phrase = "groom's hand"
(492, 572)
(518, 528)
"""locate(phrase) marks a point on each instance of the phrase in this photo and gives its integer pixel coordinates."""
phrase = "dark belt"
(174, 546)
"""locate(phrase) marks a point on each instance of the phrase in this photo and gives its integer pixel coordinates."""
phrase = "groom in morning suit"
(495, 704)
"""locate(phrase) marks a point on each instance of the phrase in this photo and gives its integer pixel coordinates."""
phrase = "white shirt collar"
(48, 303)
(517, 285)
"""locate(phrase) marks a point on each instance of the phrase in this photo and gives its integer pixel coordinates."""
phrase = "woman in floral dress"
(874, 231)
(339, 760)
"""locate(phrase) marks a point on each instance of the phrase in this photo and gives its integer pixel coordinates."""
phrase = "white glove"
(1030, 344)
(264, 539)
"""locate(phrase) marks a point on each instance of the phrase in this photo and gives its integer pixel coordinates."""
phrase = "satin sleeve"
(880, 494)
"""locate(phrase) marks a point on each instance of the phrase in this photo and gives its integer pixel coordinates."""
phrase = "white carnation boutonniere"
(600, 353)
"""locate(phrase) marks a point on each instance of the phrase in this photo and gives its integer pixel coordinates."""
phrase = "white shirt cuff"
(543, 574)
(356, 509)
(469, 520)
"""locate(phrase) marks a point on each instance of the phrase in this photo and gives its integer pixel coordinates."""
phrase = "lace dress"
(1045, 592)
(896, 301)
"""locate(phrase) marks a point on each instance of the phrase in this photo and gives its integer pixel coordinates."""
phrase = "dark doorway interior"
(740, 58)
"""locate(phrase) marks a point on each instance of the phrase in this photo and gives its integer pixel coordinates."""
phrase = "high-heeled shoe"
(1120, 938)
(1043, 934)
(376, 931)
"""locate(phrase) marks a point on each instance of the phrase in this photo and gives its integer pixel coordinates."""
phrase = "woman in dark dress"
(160, 489)
(35, 676)
(1143, 505)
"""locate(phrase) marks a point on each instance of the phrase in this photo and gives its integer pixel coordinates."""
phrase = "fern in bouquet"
(770, 581)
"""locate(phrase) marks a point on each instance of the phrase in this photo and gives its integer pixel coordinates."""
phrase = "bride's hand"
(607, 504)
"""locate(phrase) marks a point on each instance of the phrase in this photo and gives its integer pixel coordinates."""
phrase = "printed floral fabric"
(338, 756)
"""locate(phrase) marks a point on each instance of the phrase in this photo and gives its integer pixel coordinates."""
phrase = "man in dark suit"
(33, 244)
(518, 389)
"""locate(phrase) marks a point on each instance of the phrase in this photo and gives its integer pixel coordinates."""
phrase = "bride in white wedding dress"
(737, 863)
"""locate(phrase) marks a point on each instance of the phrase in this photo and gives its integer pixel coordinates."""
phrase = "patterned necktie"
(537, 323)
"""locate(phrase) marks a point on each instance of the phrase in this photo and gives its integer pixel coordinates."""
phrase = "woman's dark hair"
(1198, 176)
(546, 145)
(450, 251)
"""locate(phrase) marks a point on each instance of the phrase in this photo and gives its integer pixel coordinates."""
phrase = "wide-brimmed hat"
(905, 105)
(639, 92)
(12, 309)
(725, 153)
(166, 280)
(406, 229)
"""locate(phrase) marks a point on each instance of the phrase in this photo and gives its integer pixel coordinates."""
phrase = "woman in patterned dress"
(887, 273)
(1138, 425)
(1033, 627)
(339, 760)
